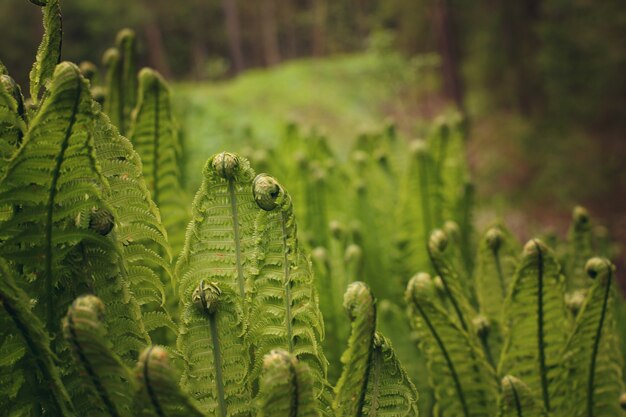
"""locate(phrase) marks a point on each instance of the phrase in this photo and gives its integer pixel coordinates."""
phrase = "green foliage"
(12, 119)
(49, 51)
(113, 101)
(126, 44)
(516, 400)
(155, 138)
(286, 387)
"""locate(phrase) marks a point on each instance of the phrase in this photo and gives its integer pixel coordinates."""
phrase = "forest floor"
(529, 176)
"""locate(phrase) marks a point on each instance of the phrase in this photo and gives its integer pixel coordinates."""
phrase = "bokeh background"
(542, 82)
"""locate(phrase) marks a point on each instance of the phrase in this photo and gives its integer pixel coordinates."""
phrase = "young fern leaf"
(155, 138)
(536, 320)
(352, 385)
(516, 400)
(49, 51)
(55, 179)
(590, 383)
(580, 249)
(373, 382)
(463, 382)
(138, 223)
(16, 306)
(286, 387)
(216, 365)
(285, 304)
(126, 43)
(113, 104)
(159, 393)
(111, 382)
(457, 292)
(3, 69)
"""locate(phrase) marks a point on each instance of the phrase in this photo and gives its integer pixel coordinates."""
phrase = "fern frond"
(55, 179)
(285, 304)
(126, 43)
(220, 243)
(110, 381)
(159, 393)
(210, 339)
(286, 387)
(463, 382)
(113, 101)
(139, 230)
(155, 138)
(49, 51)
(3, 69)
(17, 308)
(351, 388)
(536, 321)
(579, 250)
(591, 380)
(516, 400)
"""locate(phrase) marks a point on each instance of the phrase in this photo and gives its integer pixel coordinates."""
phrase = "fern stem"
(146, 379)
(596, 345)
(496, 258)
(89, 369)
(374, 402)
(233, 207)
(287, 281)
(455, 377)
(540, 335)
(50, 211)
(217, 361)
(451, 297)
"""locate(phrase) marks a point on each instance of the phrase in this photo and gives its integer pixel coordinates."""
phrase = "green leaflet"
(463, 381)
(55, 179)
(210, 338)
(110, 381)
(286, 387)
(516, 400)
(113, 101)
(12, 120)
(49, 51)
(159, 394)
(138, 222)
(580, 249)
(285, 304)
(590, 382)
(536, 320)
(16, 307)
(155, 137)
(126, 43)
(220, 243)
(373, 382)
(3, 69)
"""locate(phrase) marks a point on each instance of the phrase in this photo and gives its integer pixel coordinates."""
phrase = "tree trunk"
(269, 32)
(319, 28)
(234, 34)
(448, 49)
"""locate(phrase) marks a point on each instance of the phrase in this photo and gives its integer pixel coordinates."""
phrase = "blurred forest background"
(543, 82)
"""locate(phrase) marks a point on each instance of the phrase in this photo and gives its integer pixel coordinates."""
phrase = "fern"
(24, 338)
(286, 387)
(216, 365)
(537, 322)
(49, 51)
(155, 138)
(113, 101)
(12, 119)
(463, 381)
(126, 43)
(591, 380)
(580, 249)
(110, 381)
(285, 304)
(517, 401)
(159, 394)
(138, 223)
(373, 382)
(55, 179)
